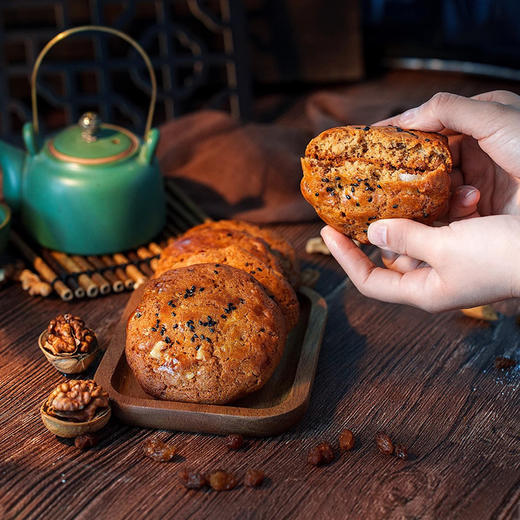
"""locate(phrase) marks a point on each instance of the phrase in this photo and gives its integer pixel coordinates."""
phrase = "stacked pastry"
(212, 324)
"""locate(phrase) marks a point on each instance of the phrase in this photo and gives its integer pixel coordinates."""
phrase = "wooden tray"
(273, 409)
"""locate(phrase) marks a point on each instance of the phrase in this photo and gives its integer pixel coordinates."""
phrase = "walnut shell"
(70, 429)
(68, 363)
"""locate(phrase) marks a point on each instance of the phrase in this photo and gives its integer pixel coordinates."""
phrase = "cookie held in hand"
(354, 175)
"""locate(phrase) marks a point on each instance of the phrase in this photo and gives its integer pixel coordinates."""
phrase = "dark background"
(230, 54)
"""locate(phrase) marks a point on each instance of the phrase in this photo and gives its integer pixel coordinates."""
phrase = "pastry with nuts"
(76, 407)
(275, 285)
(206, 333)
(276, 243)
(68, 344)
(354, 175)
(207, 239)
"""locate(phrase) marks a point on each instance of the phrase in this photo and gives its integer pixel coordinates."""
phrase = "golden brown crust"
(278, 244)
(205, 333)
(355, 175)
(208, 239)
(275, 285)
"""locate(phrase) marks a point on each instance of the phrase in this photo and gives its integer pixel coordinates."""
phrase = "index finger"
(480, 119)
(412, 288)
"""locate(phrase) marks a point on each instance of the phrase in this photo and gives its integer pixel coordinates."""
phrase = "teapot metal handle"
(99, 28)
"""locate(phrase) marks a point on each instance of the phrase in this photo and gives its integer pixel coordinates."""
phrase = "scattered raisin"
(503, 363)
(321, 454)
(192, 479)
(220, 480)
(85, 441)
(384, 443)
(158, 450)
(234, 441)
(254, 478)
(401, 452)
(346, 440)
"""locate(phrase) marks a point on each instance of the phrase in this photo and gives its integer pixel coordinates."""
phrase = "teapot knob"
(89, 122)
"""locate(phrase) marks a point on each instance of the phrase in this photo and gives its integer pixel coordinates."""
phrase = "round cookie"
(275, 241)
(275, 285)
(207, 239)
(354, 175)
(205, 334)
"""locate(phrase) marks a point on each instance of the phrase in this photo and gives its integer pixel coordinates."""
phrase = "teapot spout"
(12, 161)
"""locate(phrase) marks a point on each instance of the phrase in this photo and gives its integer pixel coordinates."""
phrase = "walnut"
(316, 245)
(32, 283)
(67, 334)
(77, 400)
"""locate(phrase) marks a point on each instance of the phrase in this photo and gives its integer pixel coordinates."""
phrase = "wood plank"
(427, 380)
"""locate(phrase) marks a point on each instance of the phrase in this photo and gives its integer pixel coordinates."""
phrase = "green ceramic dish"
(5, 225)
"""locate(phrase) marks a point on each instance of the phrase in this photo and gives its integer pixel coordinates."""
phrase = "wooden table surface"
(427, 380)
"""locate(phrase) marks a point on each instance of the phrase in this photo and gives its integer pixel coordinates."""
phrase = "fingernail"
(408, 116)
(466, 194)
(377, 234)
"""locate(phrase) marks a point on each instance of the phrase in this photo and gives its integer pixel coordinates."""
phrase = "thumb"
(402, 236)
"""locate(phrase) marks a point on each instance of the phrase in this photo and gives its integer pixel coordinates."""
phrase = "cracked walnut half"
(67, 335)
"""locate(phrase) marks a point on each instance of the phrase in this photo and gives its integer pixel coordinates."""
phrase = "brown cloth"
(253, 171)
(249, 171)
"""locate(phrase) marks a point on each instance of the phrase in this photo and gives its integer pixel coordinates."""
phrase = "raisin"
(158, 450)
(503, 363)
(192, 479)
(234, 441)
(401, 452)
(220, 480)
(321, 454)
(346, 440)
(85, 441)
(254, 478)
(384, 443)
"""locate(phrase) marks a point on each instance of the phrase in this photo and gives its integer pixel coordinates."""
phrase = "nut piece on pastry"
(207, 333)
(354, 175)
(276, 286)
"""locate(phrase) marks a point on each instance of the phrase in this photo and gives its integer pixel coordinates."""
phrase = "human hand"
(478, 259)
(465, 264)
(484, 139)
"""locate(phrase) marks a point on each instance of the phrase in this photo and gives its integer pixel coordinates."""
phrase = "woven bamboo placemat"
(75, 276)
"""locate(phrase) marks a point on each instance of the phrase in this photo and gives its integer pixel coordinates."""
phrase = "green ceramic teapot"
(93, 188)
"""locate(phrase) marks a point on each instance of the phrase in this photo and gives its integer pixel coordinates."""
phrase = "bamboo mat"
(74, 276)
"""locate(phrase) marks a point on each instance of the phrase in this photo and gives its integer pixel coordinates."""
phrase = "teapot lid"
(91, 142)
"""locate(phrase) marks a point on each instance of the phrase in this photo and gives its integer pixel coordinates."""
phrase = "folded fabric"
(246, 171)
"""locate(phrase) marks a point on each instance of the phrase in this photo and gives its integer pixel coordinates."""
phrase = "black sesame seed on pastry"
(354, 175)
(205, 333)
